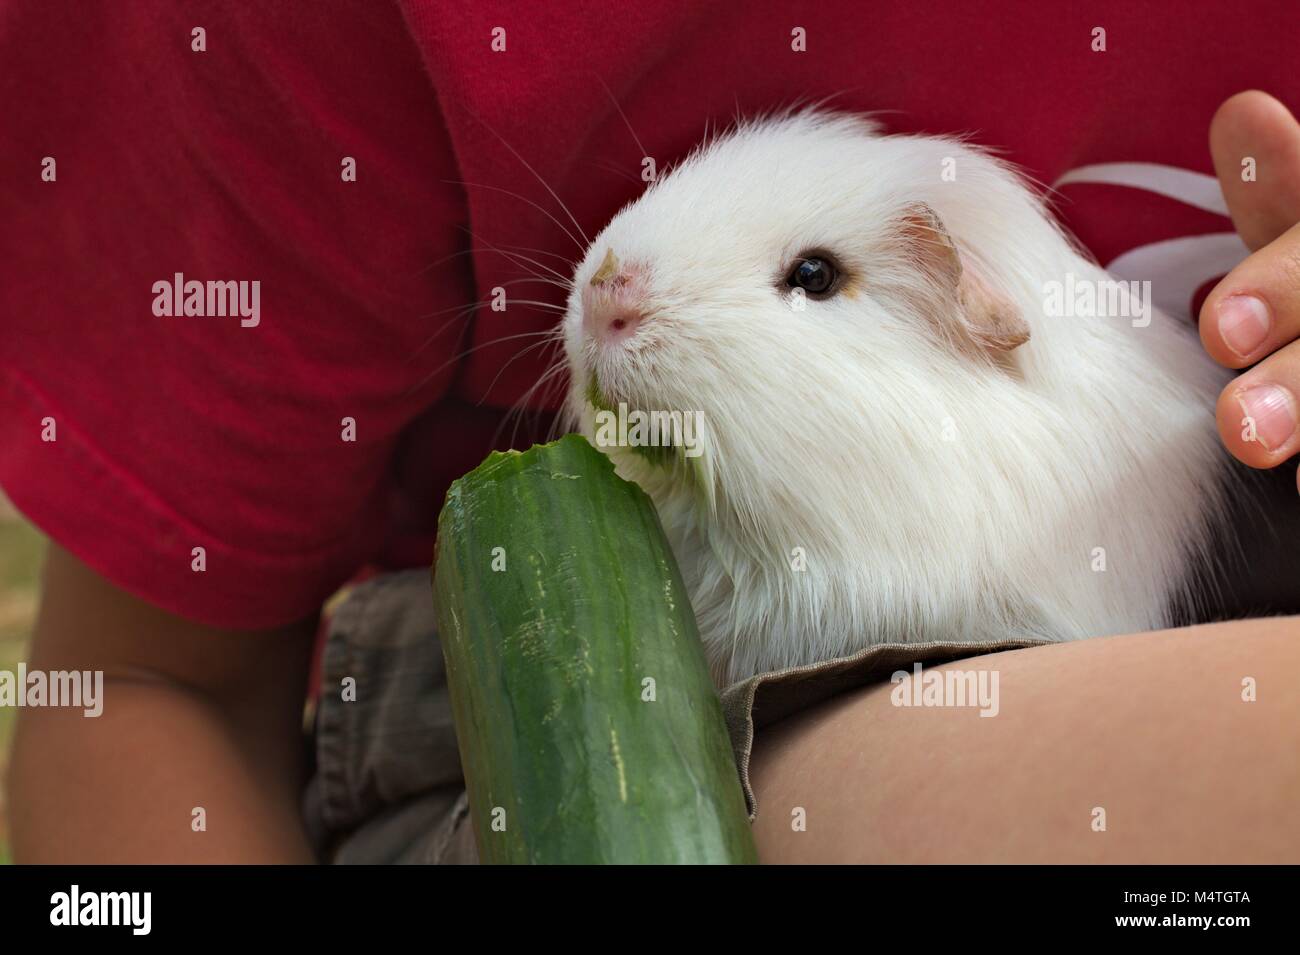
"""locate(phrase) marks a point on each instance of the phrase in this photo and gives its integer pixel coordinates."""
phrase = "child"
(238, 362)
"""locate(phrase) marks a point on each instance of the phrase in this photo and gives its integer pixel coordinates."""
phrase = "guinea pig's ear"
(986, 317)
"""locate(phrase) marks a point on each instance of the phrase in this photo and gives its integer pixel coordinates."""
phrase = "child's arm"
(192, 717)
(265, 433)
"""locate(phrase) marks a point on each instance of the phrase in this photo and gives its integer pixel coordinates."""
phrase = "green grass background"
(21, 552)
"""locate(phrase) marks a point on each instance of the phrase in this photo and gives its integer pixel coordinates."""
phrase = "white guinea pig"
(900, 435)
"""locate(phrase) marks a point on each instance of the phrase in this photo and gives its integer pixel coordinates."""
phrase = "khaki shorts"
(387, 786)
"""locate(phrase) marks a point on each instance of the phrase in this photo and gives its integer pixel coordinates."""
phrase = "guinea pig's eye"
(814, 274)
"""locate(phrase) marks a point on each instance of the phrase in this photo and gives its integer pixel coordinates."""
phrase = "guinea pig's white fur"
(1063, 490)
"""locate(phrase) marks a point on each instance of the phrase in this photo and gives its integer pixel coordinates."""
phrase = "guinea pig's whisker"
(536, 175)
(445, 259)
(484, 302)
(626, 122)
(477, 250)
(538, 272)
(520, 408)
(519, 354)
(545, 280)
(449, 324)
(545, 185)
(469, 351)
(453, 308)
(517, 259)
(536, 278)
(616, 169)
(522, 261)
(542, 209)
(557, 370)
(555, 255)
(527, 301)
(462, 310)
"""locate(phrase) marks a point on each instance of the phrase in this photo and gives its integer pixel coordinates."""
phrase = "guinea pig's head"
(786, 293)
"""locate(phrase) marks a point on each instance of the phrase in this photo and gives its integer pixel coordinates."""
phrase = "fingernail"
(1243, 323)
(1271, 411)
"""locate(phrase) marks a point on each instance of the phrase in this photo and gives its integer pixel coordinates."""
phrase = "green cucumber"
(588, 727)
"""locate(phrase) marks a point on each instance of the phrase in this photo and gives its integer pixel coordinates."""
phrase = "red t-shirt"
(230, 163)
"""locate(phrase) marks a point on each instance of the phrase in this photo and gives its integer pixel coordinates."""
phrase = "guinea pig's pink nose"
(614, 301)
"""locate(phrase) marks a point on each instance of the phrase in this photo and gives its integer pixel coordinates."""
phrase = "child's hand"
(1253, 315)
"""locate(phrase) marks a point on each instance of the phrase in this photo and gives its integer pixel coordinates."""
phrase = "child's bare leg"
(1150, 728)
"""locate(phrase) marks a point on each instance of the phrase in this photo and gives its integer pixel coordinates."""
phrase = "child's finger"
(1259, 414)
(1255, 142)
(1256, 308)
